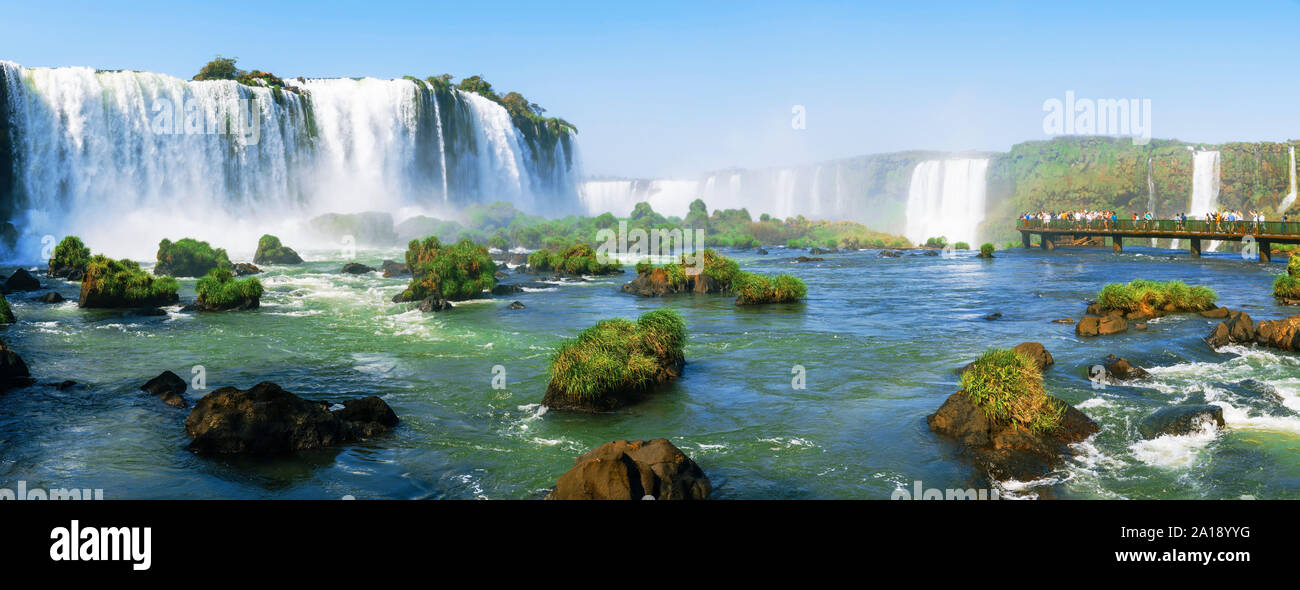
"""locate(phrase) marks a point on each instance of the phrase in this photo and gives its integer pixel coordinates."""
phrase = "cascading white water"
(946, 198)
(94, 154)
(1151, 196)
(1205, 188)
(1290, 197)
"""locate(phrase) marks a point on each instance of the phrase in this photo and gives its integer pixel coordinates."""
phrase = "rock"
(169, 388)
(64, 385)
(890, 254)
(1283, 334)
(1142, 326)
(265, 419)
(500, 275)
(434, 303)
(803, 259)
(271, 251)
(515, 305)
(815, 250)
(1181, 420)
(623, 470)
(1119, 368)
(1095, 326)
(13, 371)
(51, 297)
(356, 268)
(1238, 328)
(1037, 353)
(1094, 308)
(993, 316)
(1007, 452)
(153, 312)
(761, 252)
(1063, 321)
(1217, 313)
(506, 289)
(930, 253)
(393, 268)
(654, 283)
(22, 280)
(243, 269)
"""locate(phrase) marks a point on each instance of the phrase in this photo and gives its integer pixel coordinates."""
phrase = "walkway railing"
(1227, 228)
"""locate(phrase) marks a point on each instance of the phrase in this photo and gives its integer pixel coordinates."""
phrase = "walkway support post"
(1265, 251)
(1195, 246)
(1025, 239)
(1117, 243)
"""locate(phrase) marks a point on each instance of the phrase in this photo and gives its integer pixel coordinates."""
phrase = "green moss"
(70, 254)
(986, 250)
(1008, 386)
(219, 289)
(271, 251)
(1152, 297)
(456, 273)
(618, 355)
(6, 312)
(188, 257)
(1286, 287)
(962, 246)
(121, 283)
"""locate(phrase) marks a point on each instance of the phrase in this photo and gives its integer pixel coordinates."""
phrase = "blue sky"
(675, 88)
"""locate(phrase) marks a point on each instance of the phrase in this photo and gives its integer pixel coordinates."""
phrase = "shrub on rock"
(70, 259)
(6, 312)
(188, 258)
(616, 362)
(986, 250)
(1152, 299)
(219, 290)
(623, 470)
(271, 251)
(755, 289)
(578, 259)
(121, 283)
(455, 273)
(1008, 386)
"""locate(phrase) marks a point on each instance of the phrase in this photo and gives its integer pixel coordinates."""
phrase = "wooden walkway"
(1264, 234)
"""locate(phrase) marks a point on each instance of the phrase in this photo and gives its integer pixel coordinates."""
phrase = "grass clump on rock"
(188, 257)
(122, 283)
(1154, 298)
(219, 290)
(578, 259)
(755, 289)
(6, 312)
(616, 361)
(986, 250)
(458, 272)
(1008, 386)
(71, 257)
(271, 251)
(1287, 287)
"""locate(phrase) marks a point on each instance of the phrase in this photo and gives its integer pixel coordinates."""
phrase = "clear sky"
(674, 88)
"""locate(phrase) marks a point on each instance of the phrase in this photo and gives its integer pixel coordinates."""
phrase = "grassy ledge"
(617, 360)
(715, 273)
(121, 283)
(1008, 386)
(1154, 298)
(219, 290)
(1287, 287)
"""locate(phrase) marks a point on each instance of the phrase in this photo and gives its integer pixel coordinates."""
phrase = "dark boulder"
(1217, 313)
(1100, 326)
(1180, 420)
(22, 280)
(761, 252)
(1037, 353)
(243, 269)
(433, 303)
(805, 259)
(1004, 451)
(169, 388)
(51, 297)
(997, 315)
(1063, 321)
(393, 268)
(506, 289)
(1237, 328)
(265, 419)
(13, 371)
(633, 470)
(1119, 368)
(890, 254)
(356, 268)
(515, 305)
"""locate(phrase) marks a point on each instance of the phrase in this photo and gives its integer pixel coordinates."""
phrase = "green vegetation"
(219, 289)
(1008, 386)
(578, 259)
(617, 355)
(1153, 298)
(1287, 286)
(70, 255)
(963, 246)
(188, 257)
(938, 242)
(986, 250)
(270, 251)
(6, 312)
(223, 68)
(121, 283)
(455, 273)
(756, 289)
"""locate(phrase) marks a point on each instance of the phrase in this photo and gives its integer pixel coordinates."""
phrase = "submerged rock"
(997, 315)
(167, 387)
(805, 259)
(356, 268)
(1100, 326)
(22, 280)
(515, 305)
(1181, 420)
(1119, 368)
(266, 419)
(1004, 451)
(1238, 328)
(243, 269)
(434, 303)
(633, 470)
(51, 297)
(13, 370)
(890, 254)
(506, 289)
(393, 268)
(761, 252)
(1217, 313)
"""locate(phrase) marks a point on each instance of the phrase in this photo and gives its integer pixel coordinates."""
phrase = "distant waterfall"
(1290, 197)
(125, 158)
(1205, 183)
(946, 198)
(667, 197)
(1151, 196)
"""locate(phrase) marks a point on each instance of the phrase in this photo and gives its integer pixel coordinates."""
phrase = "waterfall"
(667, 197)
(1290, 197)
(1151, 196)
(1205, 188)
(125, 158)
(814, 195)
(946, 198)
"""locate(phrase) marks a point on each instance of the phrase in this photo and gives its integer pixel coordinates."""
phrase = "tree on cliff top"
(220, 68)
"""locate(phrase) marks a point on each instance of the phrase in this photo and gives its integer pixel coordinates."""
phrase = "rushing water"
(946, 198)
(880, 340)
